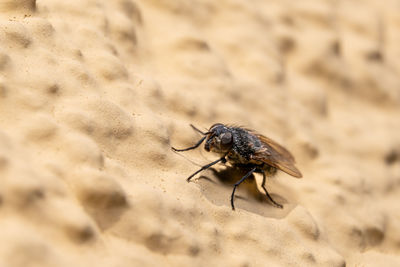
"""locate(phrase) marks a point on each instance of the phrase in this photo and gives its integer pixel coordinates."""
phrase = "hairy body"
(246, 149)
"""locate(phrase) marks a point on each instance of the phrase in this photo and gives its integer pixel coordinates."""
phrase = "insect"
(245, 149)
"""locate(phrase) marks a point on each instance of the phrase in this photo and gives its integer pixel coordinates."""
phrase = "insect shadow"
(248, 197)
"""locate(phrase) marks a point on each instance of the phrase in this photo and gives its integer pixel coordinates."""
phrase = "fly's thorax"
(235, 157)
(245, 143)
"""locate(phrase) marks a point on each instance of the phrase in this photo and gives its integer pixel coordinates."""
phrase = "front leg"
(205, 167)
(190, 148)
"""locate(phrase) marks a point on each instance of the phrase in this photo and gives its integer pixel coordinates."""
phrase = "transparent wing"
(277, 156)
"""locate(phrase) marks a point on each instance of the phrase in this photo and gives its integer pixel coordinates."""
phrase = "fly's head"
(219, 139)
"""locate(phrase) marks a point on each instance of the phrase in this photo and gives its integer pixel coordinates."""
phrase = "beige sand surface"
(93, 94)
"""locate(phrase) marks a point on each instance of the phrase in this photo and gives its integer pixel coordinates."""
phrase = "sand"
(94, 93)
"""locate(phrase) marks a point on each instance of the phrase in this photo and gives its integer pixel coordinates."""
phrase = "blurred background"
(93, 94)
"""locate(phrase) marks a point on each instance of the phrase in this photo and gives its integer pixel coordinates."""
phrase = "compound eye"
(226, 138)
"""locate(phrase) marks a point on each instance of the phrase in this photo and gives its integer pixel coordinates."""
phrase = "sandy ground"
(93, 94)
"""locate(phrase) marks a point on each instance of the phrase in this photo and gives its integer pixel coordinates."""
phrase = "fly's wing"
(277, 156)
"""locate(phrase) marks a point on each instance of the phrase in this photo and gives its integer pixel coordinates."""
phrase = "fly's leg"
(197, 144)
(266, 192)
(197, 130)
(190, 148)
(223, 160)
(237, 184)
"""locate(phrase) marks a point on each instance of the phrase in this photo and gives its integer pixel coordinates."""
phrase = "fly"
(248, 150)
